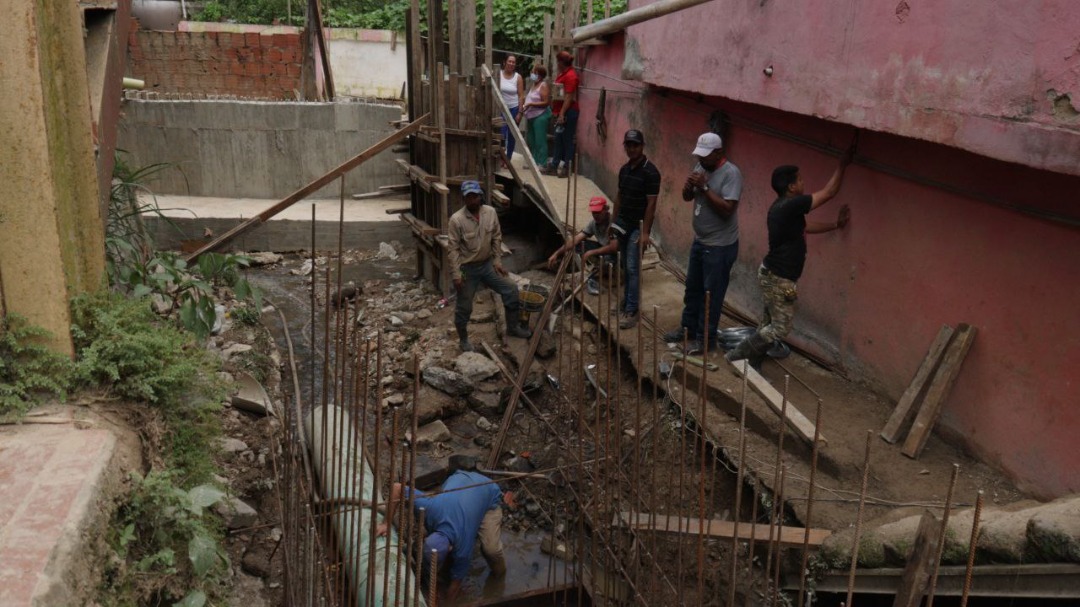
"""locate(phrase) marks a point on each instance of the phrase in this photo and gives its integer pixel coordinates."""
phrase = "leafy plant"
(247, 315)
(27, 367)
(170, 542)
(126, 239)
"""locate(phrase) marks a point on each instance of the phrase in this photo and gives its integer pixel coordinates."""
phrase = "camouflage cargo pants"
(780, 296)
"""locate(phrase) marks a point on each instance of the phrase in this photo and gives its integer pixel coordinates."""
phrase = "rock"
(232, 350)
(434, 405)
(395, 400)
(264, 258)
(545, 349)
(247, 590)
(429, 358)
(482, 440)
(454, 384)
(219, 321)
(304, 269)
(256, 561)
(1054, 532)
(252, 396)
(485, 403)
(406, 317)
(484, 424)
(435, 432)
(232, 445)
(535, 379)
(387, 380)
(475, 366)
(423, 314)
(532, 508)
(396, 321)
(386, 251)
(549, 545)
(236, 514)
(161, 305)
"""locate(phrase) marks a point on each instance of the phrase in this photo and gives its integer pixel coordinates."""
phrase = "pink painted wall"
(988, 77)
(915, 256)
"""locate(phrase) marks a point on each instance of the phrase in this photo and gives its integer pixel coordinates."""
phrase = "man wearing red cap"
(598, 229)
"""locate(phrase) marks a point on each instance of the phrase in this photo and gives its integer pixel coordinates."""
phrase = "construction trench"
(631, 475)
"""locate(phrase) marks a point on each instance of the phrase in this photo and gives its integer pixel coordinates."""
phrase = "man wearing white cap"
(475, 255)
(714, 185)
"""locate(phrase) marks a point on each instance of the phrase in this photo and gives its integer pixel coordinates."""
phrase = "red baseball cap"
(597, 204)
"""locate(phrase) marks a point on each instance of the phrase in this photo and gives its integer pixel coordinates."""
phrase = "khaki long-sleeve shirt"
(473, 239)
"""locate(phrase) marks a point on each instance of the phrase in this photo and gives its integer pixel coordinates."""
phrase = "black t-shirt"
(636, 184)
(787, 236)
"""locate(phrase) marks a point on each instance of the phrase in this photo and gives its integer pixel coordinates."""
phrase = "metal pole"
(858, 518)
(942, 535)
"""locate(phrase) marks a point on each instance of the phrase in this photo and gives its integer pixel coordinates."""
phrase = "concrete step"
(52, 514)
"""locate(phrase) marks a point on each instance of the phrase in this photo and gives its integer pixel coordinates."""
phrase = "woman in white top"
(512, 87)
(537, 111)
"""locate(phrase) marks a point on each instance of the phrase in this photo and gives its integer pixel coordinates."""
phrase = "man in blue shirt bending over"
(467, 506)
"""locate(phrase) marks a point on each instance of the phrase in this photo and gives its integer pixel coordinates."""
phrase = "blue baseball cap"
(471, 187)
(438, 542)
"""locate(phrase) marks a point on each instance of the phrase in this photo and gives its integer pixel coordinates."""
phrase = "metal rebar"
(809, 505)
(703, 391)
(774, 512)
(739, 475)
(779, 529)
(859, 517)
(942, 535)
(972, 546)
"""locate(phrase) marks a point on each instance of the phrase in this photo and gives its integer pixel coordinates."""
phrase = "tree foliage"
(517, 25)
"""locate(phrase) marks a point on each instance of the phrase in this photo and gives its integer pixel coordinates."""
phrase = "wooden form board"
(920, 563)
(901, 414)
(939, 389)
(789, 536)
(803, 427)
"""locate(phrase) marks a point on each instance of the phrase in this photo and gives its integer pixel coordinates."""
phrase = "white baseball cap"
(707, 143)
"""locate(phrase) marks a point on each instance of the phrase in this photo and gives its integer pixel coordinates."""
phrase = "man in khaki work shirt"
(476, 259)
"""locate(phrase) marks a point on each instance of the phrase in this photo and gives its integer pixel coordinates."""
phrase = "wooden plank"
(803, 427)
(939, 389)
(789, 536)
(902, 413)
(310, 188)
(920, 563)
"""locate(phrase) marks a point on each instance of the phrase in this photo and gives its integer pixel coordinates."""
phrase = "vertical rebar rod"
(415, 413)
(858, 518)
(325, 522)
(703, 391)
(774, 512)
(419, 563)
(683, 406)
(810, 504)
(733, 572)
(434, 581)
(942, 535)
(375, 468)
(972, 546)
(655, 440)
(779, 529)
(364, 451)
(753, 527)
(390, 475)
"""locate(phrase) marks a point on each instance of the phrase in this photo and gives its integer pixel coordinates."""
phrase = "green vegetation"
(166, 544)
(27, 368)
(517, 25)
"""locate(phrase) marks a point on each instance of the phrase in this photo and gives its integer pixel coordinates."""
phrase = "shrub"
(28, 368)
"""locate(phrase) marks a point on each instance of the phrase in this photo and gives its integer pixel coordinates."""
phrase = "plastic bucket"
(533, 298)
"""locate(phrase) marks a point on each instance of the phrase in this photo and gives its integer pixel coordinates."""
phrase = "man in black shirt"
(635, 206)
(783, 265)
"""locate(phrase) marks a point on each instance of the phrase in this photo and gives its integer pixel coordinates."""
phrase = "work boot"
(753, 348)
(628, 320)
(463, 340)
(674, 336)
(519, 330)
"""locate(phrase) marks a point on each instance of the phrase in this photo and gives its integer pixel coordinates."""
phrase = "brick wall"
(248, 64)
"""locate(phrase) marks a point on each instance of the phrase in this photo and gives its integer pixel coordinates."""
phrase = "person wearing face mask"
(512, 87)
(537, 111)
(714, 185)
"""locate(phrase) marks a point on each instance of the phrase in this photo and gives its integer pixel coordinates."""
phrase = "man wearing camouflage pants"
(783, 265)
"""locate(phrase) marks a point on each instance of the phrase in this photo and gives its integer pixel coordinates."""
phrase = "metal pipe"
(352, 538)
(625, 20)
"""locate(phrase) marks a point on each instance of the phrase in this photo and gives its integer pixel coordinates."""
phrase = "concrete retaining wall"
(247, 149)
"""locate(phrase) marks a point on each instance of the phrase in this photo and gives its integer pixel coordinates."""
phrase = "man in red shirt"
(566, 115)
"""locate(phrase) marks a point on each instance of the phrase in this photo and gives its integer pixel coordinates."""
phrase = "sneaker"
(519, 330)
(466, 346)
(674, 336)
(628, 320)
(592, 286)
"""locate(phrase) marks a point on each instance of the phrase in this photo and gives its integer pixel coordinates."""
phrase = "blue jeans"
(510, 140)
(709, 270)
(630, 250)
(564, 140)
(483, 273)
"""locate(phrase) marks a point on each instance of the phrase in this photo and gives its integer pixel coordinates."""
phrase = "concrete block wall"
(253, 149)
(252, 64)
